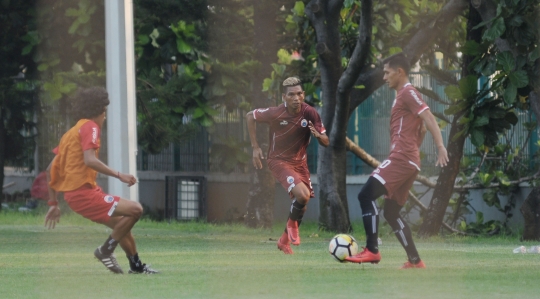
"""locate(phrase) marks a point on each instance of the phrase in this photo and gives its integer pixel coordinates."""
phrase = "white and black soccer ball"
(342, 246)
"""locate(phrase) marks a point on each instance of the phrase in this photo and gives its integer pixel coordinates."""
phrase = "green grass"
(200, 260)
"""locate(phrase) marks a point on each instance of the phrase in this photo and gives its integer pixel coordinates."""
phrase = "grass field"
(200, 260)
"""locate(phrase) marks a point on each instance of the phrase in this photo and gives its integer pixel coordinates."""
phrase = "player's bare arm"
(321, 137)
(93, 162)
(257, 151)
(422, 134)
(53, 214)
(433, 127)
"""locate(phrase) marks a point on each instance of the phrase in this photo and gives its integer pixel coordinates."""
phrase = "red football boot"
(365, 256)
(292, 231)
(409, 265)
(283, 244)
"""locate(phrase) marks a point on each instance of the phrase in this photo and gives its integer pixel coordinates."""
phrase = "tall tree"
(444, 190)
(340, 98)
(503, 39)
(17, 92)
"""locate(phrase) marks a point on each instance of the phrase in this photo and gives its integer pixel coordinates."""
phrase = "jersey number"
(385, 163)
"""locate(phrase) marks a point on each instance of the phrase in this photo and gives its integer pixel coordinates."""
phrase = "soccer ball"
(342, 246)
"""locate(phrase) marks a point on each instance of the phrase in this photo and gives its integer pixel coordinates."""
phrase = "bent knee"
(303, 198)
(139, 210)
(136, 210)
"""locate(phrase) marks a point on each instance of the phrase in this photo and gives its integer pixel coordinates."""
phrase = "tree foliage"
(504, 55)
(418, 28)
(190, 66)
(17, 89)
(181, 82)
(341, 43)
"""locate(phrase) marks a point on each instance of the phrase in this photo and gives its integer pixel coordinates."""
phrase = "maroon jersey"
(406, 125)
(289, 134)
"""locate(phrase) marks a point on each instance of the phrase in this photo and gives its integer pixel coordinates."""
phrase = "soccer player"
(73, 171)
(395, 176)
(291, 126)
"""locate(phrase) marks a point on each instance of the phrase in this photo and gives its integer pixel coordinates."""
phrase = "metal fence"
(194, 155)
(368, 127)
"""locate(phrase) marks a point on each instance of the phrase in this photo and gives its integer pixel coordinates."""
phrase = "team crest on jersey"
(303, 123)
(262, 110)
(290, 179)
(284, 123)
(108, 199)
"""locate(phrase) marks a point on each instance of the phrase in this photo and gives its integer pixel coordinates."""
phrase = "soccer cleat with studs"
(365, 256)
(409, 265)
(144, 270)
(284, 246)
(108, 261)
(292, 232)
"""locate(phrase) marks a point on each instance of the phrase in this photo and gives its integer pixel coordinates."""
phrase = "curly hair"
(89, 102)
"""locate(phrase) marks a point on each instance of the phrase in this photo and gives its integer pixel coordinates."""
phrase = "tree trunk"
(332, 160)
(334, 210)
(444, 189)
(531, 207)
(2, 152)
(260, 202)
(339, 101)
(531, 214)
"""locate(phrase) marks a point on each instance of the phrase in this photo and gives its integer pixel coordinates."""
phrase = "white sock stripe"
(402, 235)
(375, 208)
(374, 223)
(400, 223)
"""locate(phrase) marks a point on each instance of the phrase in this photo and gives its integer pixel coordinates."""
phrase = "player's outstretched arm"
(433, 127)
(53, 215)
(321, 137)
(252, 130)
(93, 162)
(422, 134)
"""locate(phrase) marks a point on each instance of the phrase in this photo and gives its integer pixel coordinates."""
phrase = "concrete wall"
(227, 196)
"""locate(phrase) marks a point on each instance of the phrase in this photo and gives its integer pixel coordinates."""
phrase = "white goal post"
(121, 114)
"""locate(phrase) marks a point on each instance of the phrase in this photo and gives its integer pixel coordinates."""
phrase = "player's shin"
(370, 218)
(297, 211)
(371, 225)
(295, 217)
(109, 246)
(135, 262)
(404, 235)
